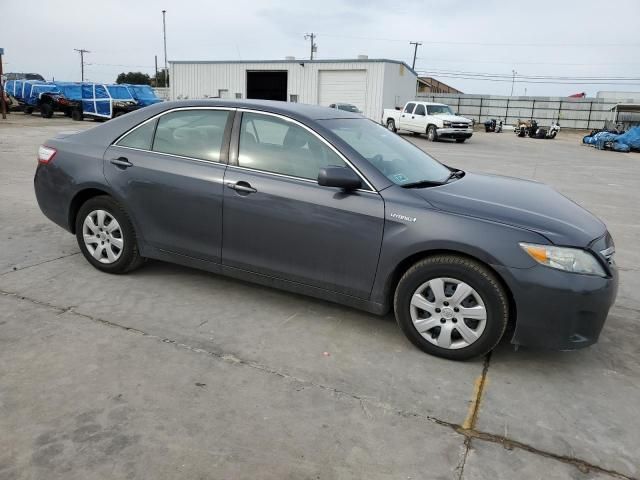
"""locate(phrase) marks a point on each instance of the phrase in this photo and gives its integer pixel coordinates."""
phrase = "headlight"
(446, 124)
(563, 258)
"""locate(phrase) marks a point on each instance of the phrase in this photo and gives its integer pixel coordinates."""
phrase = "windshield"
(439, 110)
(398, 159)
(119, 92)
(143, 91)
(348, 108)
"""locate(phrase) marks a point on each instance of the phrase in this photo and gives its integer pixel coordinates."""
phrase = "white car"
(436, 120)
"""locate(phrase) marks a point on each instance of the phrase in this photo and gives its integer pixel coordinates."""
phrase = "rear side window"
(409, 107)
(141, 137)
(419, 110)
(191, 133)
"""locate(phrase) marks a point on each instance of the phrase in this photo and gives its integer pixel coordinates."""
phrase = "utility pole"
(81, 51)
(164, 35)
(314, 47)
(3, 102)
(513, 81)
(415, 53)
(156, 81)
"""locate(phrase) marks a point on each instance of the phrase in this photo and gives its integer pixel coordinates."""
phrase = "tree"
(136, 78)
(160, 80)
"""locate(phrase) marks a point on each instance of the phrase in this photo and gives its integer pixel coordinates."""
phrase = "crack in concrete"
(469, 432)
(39, 263)
(472, 416)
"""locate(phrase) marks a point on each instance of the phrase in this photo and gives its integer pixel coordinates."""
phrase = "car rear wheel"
(106, 236)
(452, 307)
(460, 140)
(391, 125)
(76, 114)
(28, 110)
(432, 134)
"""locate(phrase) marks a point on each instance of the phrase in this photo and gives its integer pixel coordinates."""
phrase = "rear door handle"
(241, 187)
(121, 162)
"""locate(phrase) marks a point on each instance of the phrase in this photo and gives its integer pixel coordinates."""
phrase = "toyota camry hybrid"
(327, 203)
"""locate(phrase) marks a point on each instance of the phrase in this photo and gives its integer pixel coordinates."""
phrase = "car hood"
(453, 118)
(526, 204)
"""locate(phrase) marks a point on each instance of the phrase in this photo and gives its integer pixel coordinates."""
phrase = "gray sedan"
(329, 204)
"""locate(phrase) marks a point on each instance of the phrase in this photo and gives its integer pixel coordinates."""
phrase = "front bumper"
(454, 132)
(559, 310)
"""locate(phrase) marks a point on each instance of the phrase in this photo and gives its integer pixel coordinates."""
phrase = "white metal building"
(370, 84)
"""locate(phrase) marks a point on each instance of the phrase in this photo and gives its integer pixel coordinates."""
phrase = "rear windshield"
(398, 159)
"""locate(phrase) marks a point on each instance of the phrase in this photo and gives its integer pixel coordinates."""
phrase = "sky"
(582, 43)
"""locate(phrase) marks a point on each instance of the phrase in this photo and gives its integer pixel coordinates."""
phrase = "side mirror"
(340, 177)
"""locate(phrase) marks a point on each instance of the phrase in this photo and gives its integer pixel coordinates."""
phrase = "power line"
(486, 44)
(534, 77)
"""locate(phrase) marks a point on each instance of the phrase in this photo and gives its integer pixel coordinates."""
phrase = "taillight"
(46, 154)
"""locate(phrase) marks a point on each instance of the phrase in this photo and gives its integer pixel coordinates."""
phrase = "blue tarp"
(20, 89)
(143, 94)
(72, 91)
(96, 100)
(120, 92)
(624, 142)
(33, 91)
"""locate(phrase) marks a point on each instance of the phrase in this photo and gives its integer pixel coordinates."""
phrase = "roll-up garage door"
(343, 86)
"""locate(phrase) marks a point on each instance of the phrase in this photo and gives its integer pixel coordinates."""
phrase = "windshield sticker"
(400, 178)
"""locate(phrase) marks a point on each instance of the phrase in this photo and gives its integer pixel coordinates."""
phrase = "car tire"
(46, 110)
(28, 110)
(76, 114)
(432, 133)
(442, 314)
(391, 125)
(460, 140)
(109, 247)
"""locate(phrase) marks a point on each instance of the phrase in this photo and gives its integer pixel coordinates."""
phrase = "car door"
(419, 118)
(405, 117)
(169, 173)
(278, 221)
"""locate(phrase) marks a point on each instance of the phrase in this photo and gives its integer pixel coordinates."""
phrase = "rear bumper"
(559, 310)
(455, 132)
(52, 191)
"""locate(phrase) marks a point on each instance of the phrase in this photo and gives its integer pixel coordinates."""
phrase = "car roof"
(298, 111)
(428, 103)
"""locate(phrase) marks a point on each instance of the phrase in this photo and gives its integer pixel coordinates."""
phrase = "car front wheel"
(432, 134)
(106, 236)
(452, 307)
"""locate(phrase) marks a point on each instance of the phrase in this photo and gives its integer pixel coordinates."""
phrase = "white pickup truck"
(435, 119)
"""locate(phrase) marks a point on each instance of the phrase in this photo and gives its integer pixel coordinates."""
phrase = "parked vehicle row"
(78, 100)
(327, 203)
(436, 120)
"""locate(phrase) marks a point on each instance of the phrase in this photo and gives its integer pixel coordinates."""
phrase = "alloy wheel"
(102, 236)
(448, 313)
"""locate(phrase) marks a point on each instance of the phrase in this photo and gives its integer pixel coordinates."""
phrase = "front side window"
(409, 107)
(272, 144)
(398, 160)
(191, 133)
(141, 137)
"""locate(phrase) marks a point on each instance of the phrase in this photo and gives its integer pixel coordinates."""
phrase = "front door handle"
(121, 162)
(412, 116)
(241, 187)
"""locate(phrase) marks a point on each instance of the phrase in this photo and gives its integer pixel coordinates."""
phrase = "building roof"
(300, 61)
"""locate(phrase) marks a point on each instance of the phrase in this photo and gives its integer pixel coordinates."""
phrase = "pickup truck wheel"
(76, 114)
(432, 134)
(391, 125)
(46, 110)
(451, 307)
(28, 110)
(460, 140)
